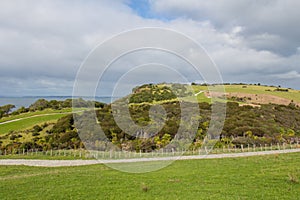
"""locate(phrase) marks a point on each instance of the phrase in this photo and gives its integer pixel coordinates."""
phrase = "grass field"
(29, 122)
(30, 119)
(254, 89)
(267, 177)
(47, 111)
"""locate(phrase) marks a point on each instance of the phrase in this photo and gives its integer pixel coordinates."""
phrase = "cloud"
(288, 75)
(274, 20)
(43, 43)
(51, 38)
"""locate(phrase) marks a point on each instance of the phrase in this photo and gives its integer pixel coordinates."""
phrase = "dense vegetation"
(150, 93)
(41, 117)
(255, 125)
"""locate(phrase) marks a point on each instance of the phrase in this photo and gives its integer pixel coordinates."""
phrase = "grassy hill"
(265, 177)
(241, 93)
(27, 123)
(27, 120)
(255, 115)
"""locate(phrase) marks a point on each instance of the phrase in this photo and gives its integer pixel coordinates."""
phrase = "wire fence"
(85, 154)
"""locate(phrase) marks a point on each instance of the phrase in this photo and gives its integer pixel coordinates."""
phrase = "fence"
(84, 154)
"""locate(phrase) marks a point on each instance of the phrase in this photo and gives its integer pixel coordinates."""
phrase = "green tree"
(165, 139)
(7, 108)
(249, 134)
(290, 132)
(1, 113)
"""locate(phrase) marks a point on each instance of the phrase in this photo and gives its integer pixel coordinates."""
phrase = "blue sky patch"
(143, 9)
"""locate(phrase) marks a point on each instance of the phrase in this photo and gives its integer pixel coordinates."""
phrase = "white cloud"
(277, 18)
(48, 40)
(288, 75)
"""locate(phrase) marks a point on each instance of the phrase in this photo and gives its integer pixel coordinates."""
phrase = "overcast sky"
(43, 43)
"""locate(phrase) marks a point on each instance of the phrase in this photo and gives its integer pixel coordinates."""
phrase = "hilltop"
(244, 94)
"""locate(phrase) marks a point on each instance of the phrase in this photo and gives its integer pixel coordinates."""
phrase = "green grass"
(249, 89)
(253, 89)
(266, 177)
(39, 156)
(28, 123)
(47, 111)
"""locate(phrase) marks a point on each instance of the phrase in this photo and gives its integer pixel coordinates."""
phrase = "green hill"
(241, 93)
(255, 114)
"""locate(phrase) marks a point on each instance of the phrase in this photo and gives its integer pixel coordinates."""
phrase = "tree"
(249, 134)
(40, 104)
(7, 108)
(290, 132)
(22, 110)
(166, 139)
(1, 113)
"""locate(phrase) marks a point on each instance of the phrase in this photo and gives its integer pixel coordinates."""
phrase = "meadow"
(29, 122)
(265, 177)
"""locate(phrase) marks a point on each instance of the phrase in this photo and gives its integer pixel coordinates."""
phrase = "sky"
(44, 43)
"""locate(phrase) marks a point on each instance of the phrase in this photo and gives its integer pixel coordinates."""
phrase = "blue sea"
(27, 101)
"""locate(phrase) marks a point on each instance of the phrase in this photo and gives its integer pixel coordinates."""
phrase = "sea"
(27, 101)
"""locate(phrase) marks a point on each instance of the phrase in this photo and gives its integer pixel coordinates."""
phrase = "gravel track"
(61, 163)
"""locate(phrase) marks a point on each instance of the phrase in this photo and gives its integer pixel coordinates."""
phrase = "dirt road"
(60, 163)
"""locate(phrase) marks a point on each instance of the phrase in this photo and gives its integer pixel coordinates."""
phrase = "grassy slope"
(47, 111)
(34, 119)
(28, 123)
(250, 89)
(236, 178)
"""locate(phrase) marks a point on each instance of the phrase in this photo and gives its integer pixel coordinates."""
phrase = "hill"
(244, 94)
(255, 115)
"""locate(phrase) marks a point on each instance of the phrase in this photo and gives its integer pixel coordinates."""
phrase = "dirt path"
(40, 115)
(61, 163)
(198, 93)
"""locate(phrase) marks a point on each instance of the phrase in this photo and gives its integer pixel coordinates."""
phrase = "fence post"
(242, 146)
(278, 146)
